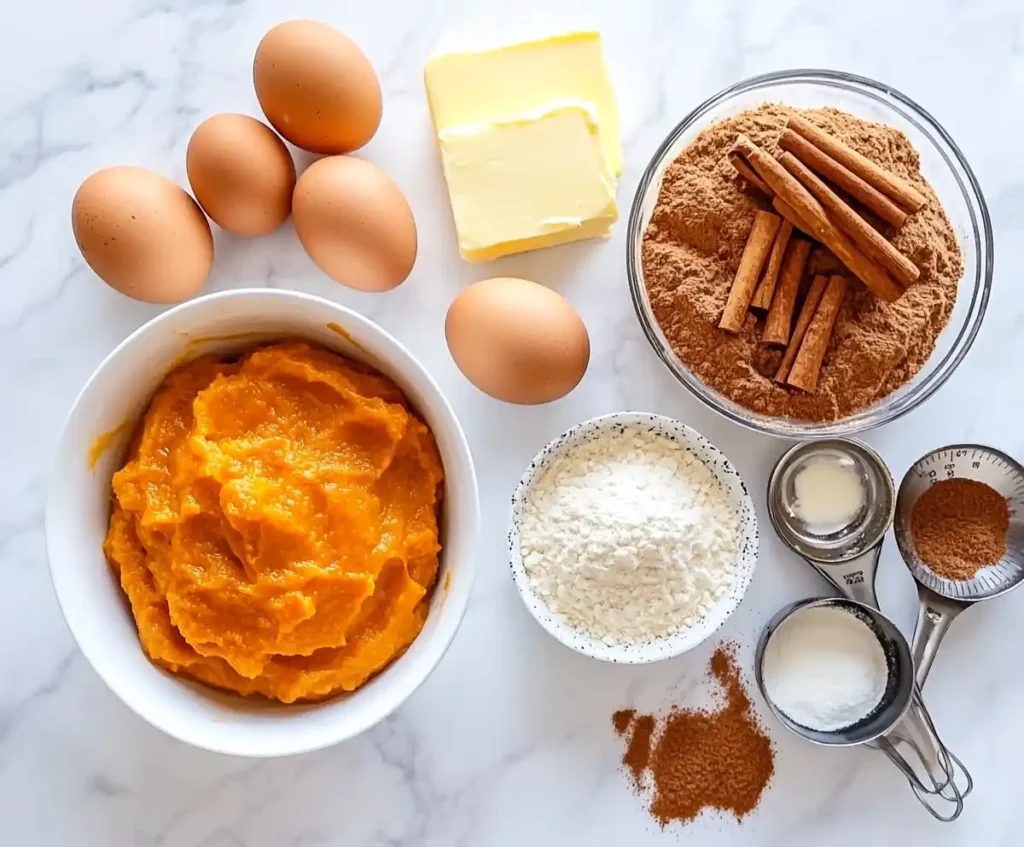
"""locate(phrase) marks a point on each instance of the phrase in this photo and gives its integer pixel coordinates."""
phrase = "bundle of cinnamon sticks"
(814, 185)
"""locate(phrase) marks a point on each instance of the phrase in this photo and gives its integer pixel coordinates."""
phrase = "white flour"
(629, 537)
(824, 668)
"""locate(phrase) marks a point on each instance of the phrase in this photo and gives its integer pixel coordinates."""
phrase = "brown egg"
(316, 87)
(517, 341)
(241, 173)
(142, 234)
(355, 223)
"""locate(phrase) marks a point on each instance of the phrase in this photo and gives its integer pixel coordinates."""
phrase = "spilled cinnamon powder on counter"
(692, 247)
(622, 719)
(638, 754)
(700, 759)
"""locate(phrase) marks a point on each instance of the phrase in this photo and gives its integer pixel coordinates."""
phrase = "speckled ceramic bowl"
(660, 648)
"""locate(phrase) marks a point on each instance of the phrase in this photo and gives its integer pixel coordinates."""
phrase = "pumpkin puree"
(275, 526)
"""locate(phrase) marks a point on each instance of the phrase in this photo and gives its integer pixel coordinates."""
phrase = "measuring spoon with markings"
(943, 599)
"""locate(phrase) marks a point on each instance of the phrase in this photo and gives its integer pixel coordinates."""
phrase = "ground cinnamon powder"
(622, 719)
(638, 754)
(959, 526)
(700, 759)
(692, 248)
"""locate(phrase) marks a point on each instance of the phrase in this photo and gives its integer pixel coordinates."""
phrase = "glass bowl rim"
(877, 414)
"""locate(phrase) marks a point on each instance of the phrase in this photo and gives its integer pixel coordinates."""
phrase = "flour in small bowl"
(628, 536)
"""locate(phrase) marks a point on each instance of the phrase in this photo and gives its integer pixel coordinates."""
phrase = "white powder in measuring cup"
(824, 668)
(829, 493)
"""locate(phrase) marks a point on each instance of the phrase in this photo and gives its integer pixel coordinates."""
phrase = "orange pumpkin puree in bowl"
(275, 526)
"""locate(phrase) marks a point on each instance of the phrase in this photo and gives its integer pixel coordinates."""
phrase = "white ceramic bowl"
(79, 500)
(661, 648)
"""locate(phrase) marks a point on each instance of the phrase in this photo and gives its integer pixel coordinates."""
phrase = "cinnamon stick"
(803, 321)
(823, 261)
(781, 206)
(789, 213)
(747, 172)
(762, 298)
(759, 243)
(820, 162)
(897, 189)
(780, 316)
(807, 364)
(865, 236)
(809, 211)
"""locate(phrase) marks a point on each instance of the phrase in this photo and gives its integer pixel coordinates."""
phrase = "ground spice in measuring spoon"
(700, 759)
(959, 526)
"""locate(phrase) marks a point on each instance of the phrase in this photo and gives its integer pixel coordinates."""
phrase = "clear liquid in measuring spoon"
(827, 492)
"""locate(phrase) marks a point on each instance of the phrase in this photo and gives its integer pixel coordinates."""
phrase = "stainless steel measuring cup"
(893, 710)
(943, 599)
(847, 556)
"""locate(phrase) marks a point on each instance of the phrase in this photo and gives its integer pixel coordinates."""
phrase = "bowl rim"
(455, 602)
(981, 225)
(667, 647)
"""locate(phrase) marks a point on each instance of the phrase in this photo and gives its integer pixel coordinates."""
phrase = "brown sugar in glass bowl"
(942, 165)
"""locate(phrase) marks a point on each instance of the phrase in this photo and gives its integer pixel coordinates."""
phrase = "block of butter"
(530, 143)
(528, 182)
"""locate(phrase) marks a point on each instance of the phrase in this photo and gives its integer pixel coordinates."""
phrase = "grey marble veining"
(509, 742)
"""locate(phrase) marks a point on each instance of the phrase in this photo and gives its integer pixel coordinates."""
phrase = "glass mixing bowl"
(942, 164)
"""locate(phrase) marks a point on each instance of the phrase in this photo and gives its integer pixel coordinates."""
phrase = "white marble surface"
(509, 742)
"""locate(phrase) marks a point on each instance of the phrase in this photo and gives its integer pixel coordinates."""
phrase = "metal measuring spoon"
(847, 556)
(943, 599)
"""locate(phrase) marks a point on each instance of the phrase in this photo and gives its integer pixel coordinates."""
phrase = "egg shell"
(241, 173)
(355, 223)
(517, 341)
(142, 234)
(316, 87)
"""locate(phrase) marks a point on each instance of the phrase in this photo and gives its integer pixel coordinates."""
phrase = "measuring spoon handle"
(934, 616)
(854, 578)
(939, 779)
(939, 805)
